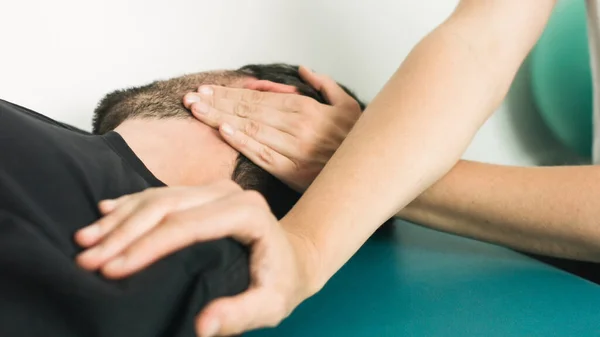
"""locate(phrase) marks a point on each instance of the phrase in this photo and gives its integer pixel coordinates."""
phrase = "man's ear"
(263, 85)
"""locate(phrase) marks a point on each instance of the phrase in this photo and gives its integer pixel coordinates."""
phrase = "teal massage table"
(418, 282)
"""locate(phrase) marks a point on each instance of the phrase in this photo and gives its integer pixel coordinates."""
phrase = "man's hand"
(288, 135)
(141, 228)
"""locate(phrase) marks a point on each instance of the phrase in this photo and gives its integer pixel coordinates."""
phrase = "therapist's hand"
(289, 135)
(141, 228)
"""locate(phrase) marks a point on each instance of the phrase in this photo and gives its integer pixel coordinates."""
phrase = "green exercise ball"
(561, 77)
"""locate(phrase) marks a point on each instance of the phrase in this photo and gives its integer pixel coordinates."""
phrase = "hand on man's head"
(288, 135)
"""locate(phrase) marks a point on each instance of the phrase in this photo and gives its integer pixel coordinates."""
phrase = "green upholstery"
(419, 282)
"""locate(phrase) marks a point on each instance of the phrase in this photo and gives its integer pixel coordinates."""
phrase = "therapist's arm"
(544, 210)
(411, 135)
(415, 130)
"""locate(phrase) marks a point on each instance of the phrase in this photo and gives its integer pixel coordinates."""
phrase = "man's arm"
(543, 210)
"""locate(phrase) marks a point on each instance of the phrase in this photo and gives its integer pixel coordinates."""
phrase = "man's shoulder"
(24, 115)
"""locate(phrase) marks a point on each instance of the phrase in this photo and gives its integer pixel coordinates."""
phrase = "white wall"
(59, 57)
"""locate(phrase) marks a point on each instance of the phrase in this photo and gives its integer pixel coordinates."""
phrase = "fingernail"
(212, 329)
(89, 254)
(308, 69)
(206, 91)
(227, 129)
(91, 231)
(108, 203)
(191, 98)
(201, 107)
(115, 264)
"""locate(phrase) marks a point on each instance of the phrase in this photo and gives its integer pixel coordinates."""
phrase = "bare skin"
(441, 94)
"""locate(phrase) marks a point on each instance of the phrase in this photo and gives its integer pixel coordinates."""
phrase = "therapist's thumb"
(333, 93)
(234, 315)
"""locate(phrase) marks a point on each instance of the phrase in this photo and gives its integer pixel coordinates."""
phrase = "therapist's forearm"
(544, 210)
(416, 128)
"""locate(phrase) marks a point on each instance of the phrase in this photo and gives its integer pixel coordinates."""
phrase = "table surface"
(415, 281)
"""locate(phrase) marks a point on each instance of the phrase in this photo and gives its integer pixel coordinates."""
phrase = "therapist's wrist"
(308, 256)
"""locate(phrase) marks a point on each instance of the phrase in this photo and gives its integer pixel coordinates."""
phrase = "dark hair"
(162, 99)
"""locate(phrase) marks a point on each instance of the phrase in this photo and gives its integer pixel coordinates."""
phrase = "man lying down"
(52, 177)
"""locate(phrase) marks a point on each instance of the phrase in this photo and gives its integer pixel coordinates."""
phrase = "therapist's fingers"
(332, 91)
(262, 155)
(146, 211)
(92, 234)
(271, 138)
(230, 316)
(140, 220)
(279, 101)
(109, 205)
(241, 216)
(259, 153)
(226, 111)
(269, 86)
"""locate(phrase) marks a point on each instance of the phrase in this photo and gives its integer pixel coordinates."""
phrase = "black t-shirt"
(51, 178)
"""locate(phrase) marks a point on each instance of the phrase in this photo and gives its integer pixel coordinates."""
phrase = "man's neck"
(179, 151)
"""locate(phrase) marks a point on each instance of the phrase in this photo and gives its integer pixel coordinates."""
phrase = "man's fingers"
(253, 309)
(241, 216)
(334, 94)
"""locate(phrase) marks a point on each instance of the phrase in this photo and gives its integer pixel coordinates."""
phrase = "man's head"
(163, 100)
